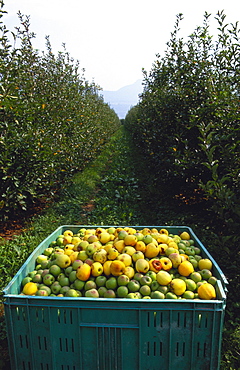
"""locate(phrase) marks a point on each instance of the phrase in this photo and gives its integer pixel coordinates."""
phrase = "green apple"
(206, 274)
(163, 289)
(82, 255)
(64, 281)
(170, 295)
(91, 249)
(64, 289)
(41, 258)
(154, 285)
(26, 280)
(188, 294)
(196, 276)
(78, 284)
(111, 283)
(55, 270)
(152, 275)
(55, 287)
(145, 290)
(133, 286)
(71, 293)
(175, 258)
(44, 272)
(62, 260)
(190, 251)
(197, 250)
(191, 284)
(122, 291)
(137, 276)
(122, 234)
(132, 295)
(72, 276)
(157, 295)
(100, 280)
(147, 239)
(145, 280)
(137, 255)
(139, 236)
(138, 295)
(198, 257)
(48, 251)
(194, 262)
(212, 280)
(59, 240)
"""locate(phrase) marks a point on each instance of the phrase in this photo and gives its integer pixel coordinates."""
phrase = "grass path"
(116, 189)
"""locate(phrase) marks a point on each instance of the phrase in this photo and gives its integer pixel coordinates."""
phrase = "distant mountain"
(123, 99)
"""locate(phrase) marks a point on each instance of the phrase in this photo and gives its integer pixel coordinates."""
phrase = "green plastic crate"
(48, 333)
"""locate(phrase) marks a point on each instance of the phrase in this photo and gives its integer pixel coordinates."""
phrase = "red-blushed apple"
(138, 276)
(110, 293)
(123, 280)
(90, 284)
(76, 263)
(92, 293)
(48, 279)
(101, 291)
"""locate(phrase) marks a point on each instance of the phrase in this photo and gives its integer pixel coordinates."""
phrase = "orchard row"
(52, 120)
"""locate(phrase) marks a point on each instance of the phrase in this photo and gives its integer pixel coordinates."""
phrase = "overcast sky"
(113, 39)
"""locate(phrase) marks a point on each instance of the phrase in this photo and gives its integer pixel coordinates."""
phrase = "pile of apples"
(122, 262)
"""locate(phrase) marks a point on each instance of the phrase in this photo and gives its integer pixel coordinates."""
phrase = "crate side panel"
(207, 342)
